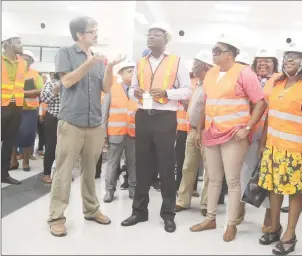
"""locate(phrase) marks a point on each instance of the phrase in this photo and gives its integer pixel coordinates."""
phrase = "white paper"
(147, 101)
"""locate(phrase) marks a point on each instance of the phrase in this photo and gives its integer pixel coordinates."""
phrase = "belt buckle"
(151, 112)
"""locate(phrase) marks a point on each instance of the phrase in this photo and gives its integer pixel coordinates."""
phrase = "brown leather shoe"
(57, 228)
(99, 218)
(179, 208)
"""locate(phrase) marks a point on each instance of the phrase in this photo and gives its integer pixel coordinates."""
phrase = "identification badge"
(147, 101)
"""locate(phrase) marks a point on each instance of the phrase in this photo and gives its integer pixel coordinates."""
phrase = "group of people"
(223, 112)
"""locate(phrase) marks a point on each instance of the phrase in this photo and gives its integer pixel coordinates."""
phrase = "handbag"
(253, 194)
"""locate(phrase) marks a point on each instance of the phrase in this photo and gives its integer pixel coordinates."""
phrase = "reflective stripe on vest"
(181, 118)
(224, 109)
(10, 89)
(285, 117)
(33, 101)
(284, 135)
(163, 77)
(117, 120)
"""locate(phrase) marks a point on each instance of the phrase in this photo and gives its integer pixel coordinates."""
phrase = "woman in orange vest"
(229, 87)
(28, 127)
(265, 65)
(13, 70)
(281, 166)
(120, 124)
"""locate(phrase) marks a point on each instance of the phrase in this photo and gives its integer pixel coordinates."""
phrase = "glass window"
(35, 50)
(49, 53)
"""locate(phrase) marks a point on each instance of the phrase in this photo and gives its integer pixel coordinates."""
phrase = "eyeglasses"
(217, 51)
(266, 61)
(292, 56)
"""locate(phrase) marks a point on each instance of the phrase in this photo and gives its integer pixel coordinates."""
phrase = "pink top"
(247, 85)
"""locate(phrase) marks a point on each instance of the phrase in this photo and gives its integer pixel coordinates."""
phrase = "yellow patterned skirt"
(281, 171)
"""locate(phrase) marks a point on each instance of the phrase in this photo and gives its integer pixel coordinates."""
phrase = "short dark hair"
(79, 25)
(274, 60)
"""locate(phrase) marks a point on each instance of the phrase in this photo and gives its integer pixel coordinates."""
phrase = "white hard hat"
(231, 40)
(29, 53)
(163, 26)
(8, 34)
(205, 56)
(266, 53)
(125, 64)
(292, 47)
(243, 57)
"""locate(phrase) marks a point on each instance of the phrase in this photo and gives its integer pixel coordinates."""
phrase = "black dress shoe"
(10, 180)
(170, 226)
(284, 209)
(133, 220)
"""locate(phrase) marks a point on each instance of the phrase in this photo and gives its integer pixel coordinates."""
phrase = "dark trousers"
(180, 149)
(40, 129)
(155, 136)
(50, 129)
(10, 121)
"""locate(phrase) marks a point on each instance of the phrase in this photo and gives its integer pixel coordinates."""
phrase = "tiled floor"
(25, 231)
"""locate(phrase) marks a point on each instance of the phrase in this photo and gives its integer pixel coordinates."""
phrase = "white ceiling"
(257, 23)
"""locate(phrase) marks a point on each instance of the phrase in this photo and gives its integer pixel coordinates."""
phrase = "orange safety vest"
(285, 117)
(223, 107)
(121, 119)
(182, 122)
(267, 91)
(10, 89)
(33, 101)
(163, 77)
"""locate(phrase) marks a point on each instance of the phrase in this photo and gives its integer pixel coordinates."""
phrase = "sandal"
(284, 248)
(203, 226)
(271, 237)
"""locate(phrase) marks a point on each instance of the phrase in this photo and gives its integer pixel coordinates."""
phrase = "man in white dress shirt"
(159, 81)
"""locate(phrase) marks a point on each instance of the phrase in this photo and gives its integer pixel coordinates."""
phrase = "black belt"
(152, 112)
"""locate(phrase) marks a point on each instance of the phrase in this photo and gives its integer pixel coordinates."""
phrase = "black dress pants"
(40, 129)
(180, 149)
(155, 136)
(50, 130)
(10, 121)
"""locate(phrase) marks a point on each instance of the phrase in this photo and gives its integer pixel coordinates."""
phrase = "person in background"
(180, 143)
(281, 150)
(228, 89)
(159, 81)
(50, 96)
(265, 65)
(193, 154)
(13, 72)
(83, 77)
(28, 127)
(120, 131)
